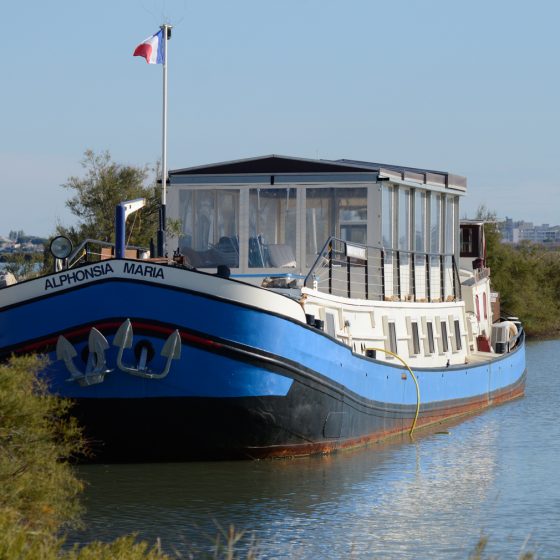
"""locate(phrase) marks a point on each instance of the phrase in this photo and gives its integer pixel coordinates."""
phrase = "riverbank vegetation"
(527, 277)
(39, 491)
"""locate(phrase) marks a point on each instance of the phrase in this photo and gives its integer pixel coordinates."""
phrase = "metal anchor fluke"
(65, 351)
(124, 339)
(171, 350)
(96, 366)
(97, 345)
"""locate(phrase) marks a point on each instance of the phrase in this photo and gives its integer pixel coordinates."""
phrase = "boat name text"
(77, 276)
(145, 270)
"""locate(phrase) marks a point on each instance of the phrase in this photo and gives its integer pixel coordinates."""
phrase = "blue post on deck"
(120, 226)
(122, 211)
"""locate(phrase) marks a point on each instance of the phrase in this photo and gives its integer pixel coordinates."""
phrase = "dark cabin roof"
(272, 164)
(276, 164)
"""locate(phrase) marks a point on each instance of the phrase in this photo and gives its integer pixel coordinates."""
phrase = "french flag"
(152, 49)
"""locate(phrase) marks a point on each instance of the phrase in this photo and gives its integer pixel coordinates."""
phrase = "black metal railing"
(92, 250)
(359, 271)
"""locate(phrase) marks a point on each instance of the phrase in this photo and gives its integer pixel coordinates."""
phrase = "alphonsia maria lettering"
(91, 273)
(77, 276)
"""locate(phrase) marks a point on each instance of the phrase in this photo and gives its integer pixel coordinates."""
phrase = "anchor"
(96, 367)
(123, 340)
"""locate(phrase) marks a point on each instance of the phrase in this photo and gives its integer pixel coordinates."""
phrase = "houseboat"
(306, 306)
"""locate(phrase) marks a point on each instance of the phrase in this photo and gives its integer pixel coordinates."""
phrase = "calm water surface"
(497, 473)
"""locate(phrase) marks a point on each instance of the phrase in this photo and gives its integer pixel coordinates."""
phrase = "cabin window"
(272, 228)
(484, 305)
(392, 337)
(477, 305)
(404, 220)
(387, 216)
(210, 224)
(444, 340)
(470, 241)
(467, 241)
(458, 345)
(415, 338)
(449, 224)
(404, 223)
(431, 345)
(449, 244)
(419, 244)
(339, 212)
(420, 221)
(435, 223)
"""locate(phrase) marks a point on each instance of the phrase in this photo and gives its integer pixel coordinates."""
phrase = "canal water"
(496, 474)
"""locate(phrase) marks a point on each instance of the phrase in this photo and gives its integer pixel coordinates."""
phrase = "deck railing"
(358, 271)
(92, 250)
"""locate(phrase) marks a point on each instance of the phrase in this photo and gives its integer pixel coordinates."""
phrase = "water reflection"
(365, 501)
(431, 497)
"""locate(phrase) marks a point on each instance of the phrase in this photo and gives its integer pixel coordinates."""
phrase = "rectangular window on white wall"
(392, 337)
(390, 334)
(415, 338)
(430, 333)
(458, 344)
(444, 337)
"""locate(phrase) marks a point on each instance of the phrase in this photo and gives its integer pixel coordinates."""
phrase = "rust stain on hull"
(425, 420)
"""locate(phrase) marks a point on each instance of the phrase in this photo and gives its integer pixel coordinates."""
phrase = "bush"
(39, 492)
(38, 488)
(527, 277)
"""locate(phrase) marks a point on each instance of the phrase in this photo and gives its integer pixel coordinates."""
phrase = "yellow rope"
(415, 381)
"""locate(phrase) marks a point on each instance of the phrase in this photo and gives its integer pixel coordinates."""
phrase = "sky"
(472, 88)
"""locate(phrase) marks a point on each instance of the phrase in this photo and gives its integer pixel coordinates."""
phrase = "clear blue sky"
(467, 87)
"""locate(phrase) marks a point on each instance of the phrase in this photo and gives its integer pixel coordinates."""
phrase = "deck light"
(61, 247)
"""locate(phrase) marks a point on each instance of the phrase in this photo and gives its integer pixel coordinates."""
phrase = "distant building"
(517, 231)
(29, 244)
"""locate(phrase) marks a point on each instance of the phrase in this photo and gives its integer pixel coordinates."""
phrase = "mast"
(166, 29)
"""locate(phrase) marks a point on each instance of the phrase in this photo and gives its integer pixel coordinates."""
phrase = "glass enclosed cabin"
(273, 215)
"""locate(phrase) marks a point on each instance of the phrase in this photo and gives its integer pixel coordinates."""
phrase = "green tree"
(527, 277)
(95, 195)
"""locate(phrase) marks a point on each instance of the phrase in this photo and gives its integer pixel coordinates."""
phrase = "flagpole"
(161, 232)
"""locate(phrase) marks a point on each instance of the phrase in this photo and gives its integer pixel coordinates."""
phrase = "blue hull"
(248, 382)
